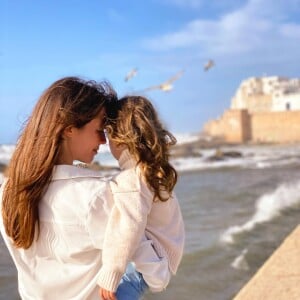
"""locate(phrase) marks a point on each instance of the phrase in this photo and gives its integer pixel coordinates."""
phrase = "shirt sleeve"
(126, 226)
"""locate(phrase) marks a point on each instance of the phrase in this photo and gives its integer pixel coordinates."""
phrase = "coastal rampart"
(283, 126)
(239, 126)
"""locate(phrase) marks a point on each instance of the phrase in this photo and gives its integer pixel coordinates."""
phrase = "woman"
(53, 213)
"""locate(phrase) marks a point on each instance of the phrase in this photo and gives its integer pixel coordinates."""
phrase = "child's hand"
(106, 295)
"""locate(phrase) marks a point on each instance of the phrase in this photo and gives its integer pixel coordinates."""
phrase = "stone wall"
(276, 127)
(238, 126)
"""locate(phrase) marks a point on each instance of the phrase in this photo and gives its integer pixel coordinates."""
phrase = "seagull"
(131, 74)
(167, 85)
(209, 65)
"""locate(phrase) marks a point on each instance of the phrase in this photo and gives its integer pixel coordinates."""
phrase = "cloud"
(192, 34)
(242, 30)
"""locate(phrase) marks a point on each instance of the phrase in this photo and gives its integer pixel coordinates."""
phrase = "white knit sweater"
(133, 216)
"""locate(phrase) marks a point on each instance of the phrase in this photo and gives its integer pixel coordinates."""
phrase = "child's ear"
(122, 147)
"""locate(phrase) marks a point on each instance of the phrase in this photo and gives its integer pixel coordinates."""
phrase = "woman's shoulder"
(77, 182)
(82, 186)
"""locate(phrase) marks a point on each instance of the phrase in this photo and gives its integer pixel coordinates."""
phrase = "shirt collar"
(73, 171)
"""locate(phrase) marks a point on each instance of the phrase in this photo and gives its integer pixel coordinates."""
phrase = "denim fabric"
(132, 285)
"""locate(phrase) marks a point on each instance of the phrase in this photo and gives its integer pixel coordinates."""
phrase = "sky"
(42, 41)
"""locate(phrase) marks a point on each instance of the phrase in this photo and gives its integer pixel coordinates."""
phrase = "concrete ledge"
(279, 277)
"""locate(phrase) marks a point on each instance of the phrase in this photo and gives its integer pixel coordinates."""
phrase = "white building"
(286, 102)
(268, 94)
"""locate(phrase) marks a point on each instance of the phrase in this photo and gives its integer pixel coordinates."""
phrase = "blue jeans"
(132, 285)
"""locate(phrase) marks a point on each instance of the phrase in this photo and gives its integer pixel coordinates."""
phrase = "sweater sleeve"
(125, 228)
(99, 211)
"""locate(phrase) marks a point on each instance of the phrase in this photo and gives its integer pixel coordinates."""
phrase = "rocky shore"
(193, 149)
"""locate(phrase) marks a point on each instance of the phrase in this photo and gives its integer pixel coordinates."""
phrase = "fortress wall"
(214, 128)
(277, 127)
(238, 126)
(233, 126)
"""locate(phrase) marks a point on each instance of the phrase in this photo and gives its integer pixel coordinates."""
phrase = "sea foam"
(268, 207)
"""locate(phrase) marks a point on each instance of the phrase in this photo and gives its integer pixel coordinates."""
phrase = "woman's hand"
(106, 295)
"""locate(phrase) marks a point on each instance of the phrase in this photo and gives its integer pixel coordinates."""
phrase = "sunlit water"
(234, 220)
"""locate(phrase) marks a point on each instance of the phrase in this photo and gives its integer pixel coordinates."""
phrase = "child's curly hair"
(133, 121)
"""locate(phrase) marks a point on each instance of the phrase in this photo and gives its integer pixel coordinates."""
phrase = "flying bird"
(167, 85)
(131, 74)
(210, 63)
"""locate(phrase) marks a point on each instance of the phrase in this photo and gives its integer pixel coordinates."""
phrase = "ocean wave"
(268, 207)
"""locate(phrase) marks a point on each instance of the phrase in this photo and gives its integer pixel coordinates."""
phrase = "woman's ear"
(68, 131)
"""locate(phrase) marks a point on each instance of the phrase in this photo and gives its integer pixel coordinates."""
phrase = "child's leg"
(132, 285)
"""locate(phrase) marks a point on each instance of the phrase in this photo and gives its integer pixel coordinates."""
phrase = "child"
(145, 209)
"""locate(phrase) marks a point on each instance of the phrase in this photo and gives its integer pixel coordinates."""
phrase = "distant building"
(267, 94)
(263, 109)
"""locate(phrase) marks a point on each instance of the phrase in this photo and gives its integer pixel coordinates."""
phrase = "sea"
(237, 211)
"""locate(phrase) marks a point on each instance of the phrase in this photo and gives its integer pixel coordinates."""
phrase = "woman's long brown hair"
(70, 101)
(133, 121)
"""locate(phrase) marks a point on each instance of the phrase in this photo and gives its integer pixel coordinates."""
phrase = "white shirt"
(65, 261)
